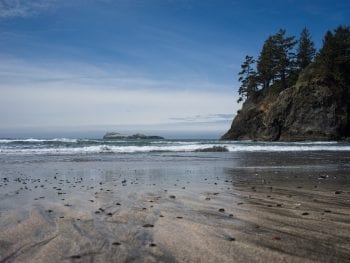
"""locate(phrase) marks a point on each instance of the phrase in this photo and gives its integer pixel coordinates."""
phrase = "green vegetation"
(283, 60)
(306, 50)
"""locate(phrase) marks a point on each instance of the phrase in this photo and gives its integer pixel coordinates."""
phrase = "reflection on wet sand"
(210, 207)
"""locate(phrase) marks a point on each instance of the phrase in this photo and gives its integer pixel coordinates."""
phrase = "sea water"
(75, 146)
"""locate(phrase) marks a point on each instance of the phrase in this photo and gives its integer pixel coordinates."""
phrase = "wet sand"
(195, 207)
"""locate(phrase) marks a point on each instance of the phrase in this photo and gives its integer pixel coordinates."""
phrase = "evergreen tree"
(247, 77)
(266, 66)
(284, 57)
(306, 50)
(276, 60)
(334, 56)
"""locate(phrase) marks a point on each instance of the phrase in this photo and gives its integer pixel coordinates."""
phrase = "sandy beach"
(186, 207)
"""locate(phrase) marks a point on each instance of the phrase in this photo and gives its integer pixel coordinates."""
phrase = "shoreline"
(217, 207)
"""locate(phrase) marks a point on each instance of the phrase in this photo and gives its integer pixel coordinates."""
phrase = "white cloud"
(47, 95)
(23, 8)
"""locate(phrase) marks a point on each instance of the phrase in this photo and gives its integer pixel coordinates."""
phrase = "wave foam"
(32, 140)
(174, 148)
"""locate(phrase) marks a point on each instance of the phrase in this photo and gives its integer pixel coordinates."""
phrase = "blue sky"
(146, 65)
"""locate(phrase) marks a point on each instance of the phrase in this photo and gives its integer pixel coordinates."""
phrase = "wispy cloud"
(24, 8)
(21, 73)
(68, 94)
(200, 118)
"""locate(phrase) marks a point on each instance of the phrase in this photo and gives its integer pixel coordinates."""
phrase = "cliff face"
(311, 110)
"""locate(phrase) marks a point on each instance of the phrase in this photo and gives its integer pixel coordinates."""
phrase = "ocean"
(75, 146)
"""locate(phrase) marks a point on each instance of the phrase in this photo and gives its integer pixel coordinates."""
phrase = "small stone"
(221, 210)
(305, 214)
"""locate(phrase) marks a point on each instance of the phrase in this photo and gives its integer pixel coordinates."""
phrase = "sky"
(165, 66)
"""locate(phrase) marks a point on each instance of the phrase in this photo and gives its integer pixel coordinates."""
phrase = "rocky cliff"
(294, 94)
(310, 110)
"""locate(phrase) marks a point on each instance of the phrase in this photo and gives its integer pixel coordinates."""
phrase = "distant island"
(137, 136)
(293, 92)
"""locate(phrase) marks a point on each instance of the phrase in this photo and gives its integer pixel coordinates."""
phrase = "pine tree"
(334, 56)
(266, 66)
(306, 50)
(247, 77)
(284, 56)
(276, 60)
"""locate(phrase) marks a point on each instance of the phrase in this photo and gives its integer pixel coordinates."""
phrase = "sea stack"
(137, 136)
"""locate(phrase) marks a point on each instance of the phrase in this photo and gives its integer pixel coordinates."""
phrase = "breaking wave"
(99, 146)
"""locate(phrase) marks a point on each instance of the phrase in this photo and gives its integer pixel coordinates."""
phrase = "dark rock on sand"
(213, 149)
